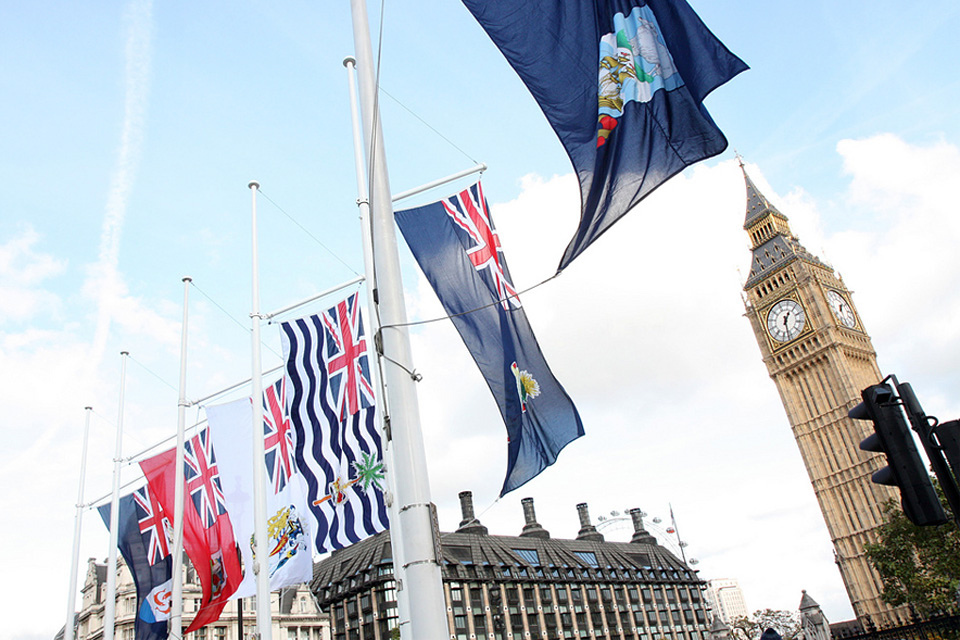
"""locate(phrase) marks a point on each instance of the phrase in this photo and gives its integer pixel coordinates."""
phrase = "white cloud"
(23, 275)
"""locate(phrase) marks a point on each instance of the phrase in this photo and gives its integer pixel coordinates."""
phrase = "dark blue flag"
(622, 82)
(459, 252)
(144, 541)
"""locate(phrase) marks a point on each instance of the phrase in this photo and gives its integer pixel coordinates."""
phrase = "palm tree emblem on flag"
(527, 386)
(369, 469)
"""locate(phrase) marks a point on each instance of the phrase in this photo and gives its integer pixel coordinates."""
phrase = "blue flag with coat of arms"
(622, 83)
(144, 540)
(458, 250)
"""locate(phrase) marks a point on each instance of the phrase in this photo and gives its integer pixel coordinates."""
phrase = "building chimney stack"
(640, 535)
(469, 524)
(532, 528)
(587, 530)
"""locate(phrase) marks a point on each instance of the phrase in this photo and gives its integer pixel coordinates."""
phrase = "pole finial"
(124, 353)
(187, 279)
(254, 184)
(349, 61)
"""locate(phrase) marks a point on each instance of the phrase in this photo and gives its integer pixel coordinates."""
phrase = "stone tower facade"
(818, 353)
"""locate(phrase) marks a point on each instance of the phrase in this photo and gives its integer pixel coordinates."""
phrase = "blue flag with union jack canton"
(332, 407)
(458, 250)
(144, 541)
(622, 83)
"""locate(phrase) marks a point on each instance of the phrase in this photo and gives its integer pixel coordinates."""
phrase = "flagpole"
(260, 568)
(175, 626)
(417, 514)
(363, 203)
(109, 612)
(78, 518)
(676, 530)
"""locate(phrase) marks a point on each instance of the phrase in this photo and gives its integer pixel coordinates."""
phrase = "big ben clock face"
(841, 309)
(786, 320)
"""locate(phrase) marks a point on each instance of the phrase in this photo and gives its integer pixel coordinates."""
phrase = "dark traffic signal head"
(905, 469)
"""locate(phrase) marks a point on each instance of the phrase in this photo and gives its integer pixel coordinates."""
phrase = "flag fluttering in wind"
(458, 250)
(332, 407)
(622, 83)
(208, 535)
(144, 541)
(290, 561)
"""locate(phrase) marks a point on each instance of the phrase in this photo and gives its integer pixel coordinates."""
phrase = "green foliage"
(395, 633)
(919, 566)
(786, 623)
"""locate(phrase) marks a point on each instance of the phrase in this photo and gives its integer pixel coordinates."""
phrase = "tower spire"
(757, 204)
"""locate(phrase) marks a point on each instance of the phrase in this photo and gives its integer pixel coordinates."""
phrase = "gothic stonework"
(820, 357)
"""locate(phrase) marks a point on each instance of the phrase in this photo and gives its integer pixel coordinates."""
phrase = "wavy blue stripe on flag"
(458, 250)
(340, 459)
(622, 83)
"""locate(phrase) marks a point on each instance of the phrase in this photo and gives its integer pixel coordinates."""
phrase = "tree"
(786, 623)
(919, 566)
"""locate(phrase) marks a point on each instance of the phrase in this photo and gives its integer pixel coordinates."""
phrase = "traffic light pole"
(933, 441)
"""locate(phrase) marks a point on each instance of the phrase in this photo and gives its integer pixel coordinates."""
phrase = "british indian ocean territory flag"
(332, 407)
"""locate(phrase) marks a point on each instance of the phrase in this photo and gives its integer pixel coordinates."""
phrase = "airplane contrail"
(105, 278)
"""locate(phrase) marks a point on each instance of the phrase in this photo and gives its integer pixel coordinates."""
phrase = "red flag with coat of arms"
(208, 535)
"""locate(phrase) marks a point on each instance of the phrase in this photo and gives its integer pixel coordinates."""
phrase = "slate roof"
(488, 558)
(757, 203)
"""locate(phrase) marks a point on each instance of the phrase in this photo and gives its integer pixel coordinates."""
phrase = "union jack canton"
(154, 523)
(346, 358)
(203, 478)
(278, 436)
(469, 211)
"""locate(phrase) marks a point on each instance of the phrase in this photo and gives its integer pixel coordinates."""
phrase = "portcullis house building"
(526, 586)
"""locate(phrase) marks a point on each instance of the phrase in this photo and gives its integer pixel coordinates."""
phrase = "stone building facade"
(295, 613)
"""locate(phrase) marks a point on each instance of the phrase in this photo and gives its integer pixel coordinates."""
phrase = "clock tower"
(819, 355)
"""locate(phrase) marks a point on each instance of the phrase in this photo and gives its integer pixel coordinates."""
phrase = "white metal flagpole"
(109, 611)
(175, 626)
(78, 519)
(417, 514)
(260, 569)
(373, 326)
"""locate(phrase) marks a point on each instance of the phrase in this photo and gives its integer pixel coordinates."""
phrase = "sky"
(131, 131)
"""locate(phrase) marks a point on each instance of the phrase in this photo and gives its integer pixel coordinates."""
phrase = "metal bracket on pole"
(480, 168)
(322, 294)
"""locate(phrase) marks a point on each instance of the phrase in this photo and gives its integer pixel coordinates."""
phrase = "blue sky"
(132, 130)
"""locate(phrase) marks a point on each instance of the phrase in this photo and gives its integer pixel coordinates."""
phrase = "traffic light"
(905, 469)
